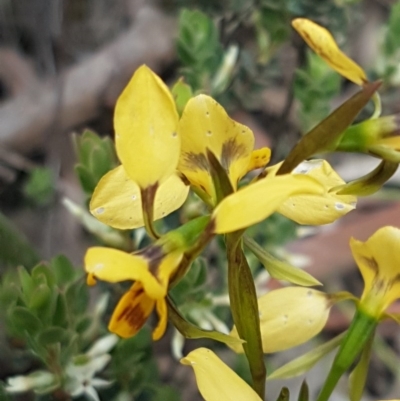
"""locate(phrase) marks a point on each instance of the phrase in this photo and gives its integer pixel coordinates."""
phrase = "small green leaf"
(40, 297)
(24, 320)
(181, 92)
(304, 363)
(83, 324)
(279, 269)
(52, 335)
(87, 180)
(41, 271)
(326, 134)
(63, 269)
(284, 395)
(304, 394)
(77, 297)
(60, 311)
(26, 283)
(189, 330)
(40, 186)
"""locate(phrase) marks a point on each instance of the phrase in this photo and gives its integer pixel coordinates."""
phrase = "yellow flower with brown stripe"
(378, 259)
(206, 127)
(150, 268)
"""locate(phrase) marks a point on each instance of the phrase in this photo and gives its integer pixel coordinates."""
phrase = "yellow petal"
(257, 201)
(145, 122)
(215, 380)
(317, 209)
(116, 200)
(131, 313)
(290, 316)
(167, 266)
(259, 158)
(162, 313)
(206, 125)
(378, 259)
(323, 43)
(112, 265)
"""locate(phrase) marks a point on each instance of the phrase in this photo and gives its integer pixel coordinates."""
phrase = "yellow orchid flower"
(322, 42)
(306, 196)
(316, 209)
(150, 269)
(215, 380)
(205, 126)
(148, 146)
(378, 259)
(287, 310)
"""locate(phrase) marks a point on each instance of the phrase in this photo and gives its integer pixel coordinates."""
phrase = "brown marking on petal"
(148, 195)
(184, 179)
(154, 255)
(372, 264)
(231, 150)
(195, 161)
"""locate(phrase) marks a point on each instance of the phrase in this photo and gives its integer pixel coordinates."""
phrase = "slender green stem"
(360, 330)
(244, 307)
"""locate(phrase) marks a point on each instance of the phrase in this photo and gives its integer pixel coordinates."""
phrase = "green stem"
(244, 307)
(360, 330)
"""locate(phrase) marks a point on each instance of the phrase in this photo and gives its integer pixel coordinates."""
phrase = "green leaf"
(304, 363)
(52, 335)
(284, 395)
(327, 133)
(244, 308)
(83, 324)
(358, 376)
(40, 186)
(304, 394)
(181, 92)
(27, 283)
(40, 297)
(41, 271)
(60, 311)
(279, 269)
(77, 297)
(14, 248)
(86, 179)
(63, 269)
(24, 320)
(189, 330)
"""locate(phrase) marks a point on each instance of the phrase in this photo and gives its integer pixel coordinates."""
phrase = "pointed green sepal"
(244, 308)
(325, 135)
(284, 395)
(358, 376)
(304, 363)
(304, 393)
(279, 269)
(361, 329)
(370, 183)
(189, 330)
